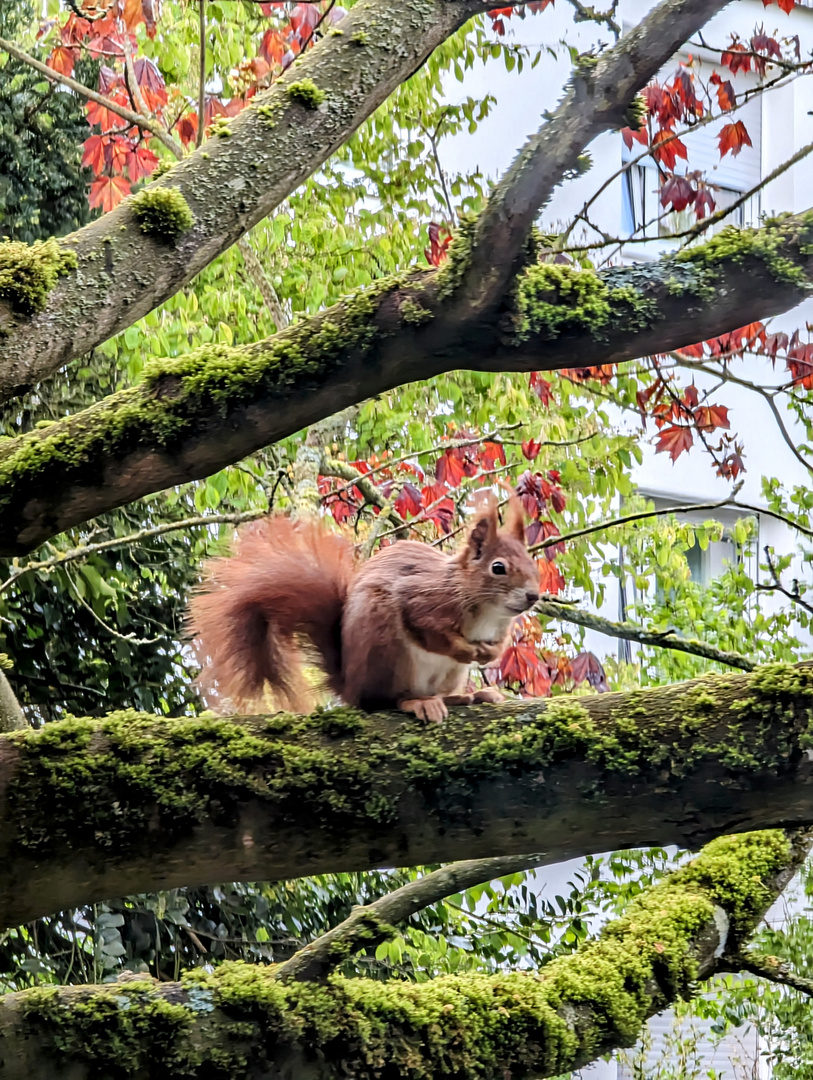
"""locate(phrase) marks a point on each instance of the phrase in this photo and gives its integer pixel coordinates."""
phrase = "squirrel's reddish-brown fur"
(399, 630)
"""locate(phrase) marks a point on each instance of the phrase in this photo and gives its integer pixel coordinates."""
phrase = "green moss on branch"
(306, 93)
(28, 272)
(83, 784)
(469, 1026)
(162, 213)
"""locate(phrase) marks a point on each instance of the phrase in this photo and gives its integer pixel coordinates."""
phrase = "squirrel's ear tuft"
(483, 533)
(515, 519)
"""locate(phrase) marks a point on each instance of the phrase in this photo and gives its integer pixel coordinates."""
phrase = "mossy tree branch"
(230, 184)
(129, 803)
(369, 925)
(196, 414)
(240, 1021)
(596, 101)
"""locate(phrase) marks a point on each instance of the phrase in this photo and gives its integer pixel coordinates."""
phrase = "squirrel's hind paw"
(431, 708)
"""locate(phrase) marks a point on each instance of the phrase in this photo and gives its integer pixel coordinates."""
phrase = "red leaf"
(550, 577)
(118, 150)
(542, 388)
(530, 449)
(629, 136)
(150, 18)
(786, 5)
(442, 515)
(538, 531)
(141, 162)
(704, 202)
(94, 155)
(491, 454)
(692, 350)
(666, 148)
(151, 83)
(101, 115)
(75, 30)
(737, 58)
(677, 192)
(187, 128)
(709, 417)
(273, 47)
(603, 374)
(62, 59)
(438, 245)
(690, 397)
(674, 440)
(733, 137)
(726, 95)
(450, 469)
(131, 13)
(107, 192)
(731, 467)
(409, 501)
(587, 666)
(432, 493)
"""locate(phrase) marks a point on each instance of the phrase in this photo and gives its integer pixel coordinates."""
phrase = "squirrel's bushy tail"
(285, 585)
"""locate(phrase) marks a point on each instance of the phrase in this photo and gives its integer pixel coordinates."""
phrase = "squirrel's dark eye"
(498, 568)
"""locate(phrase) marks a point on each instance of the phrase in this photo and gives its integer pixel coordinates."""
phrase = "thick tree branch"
(596, 101)
(659, 639)
(96, 808)
(514, 1023)
(230, 184)
(369, 925)
(194, 415)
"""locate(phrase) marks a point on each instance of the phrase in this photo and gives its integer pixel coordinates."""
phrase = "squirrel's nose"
(532, 598)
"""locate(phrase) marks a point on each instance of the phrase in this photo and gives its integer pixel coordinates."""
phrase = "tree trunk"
(240, 1022)
(91, 809)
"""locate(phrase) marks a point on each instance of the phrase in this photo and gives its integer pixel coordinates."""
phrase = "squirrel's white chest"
(434, 674)
(488, 625)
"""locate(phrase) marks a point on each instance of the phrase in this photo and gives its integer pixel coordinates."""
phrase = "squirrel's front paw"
(486, 651)
(489, 695)
(431, 708)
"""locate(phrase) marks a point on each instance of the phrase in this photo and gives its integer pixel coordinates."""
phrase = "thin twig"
(772, 968)
(79, 88)
(368, 926)
(202, 73)
(83, 551)
(661, 639)
(625, 519)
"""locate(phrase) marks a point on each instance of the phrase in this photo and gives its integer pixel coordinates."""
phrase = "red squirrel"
(401, 629)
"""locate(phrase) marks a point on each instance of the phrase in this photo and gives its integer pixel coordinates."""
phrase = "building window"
(642, 206)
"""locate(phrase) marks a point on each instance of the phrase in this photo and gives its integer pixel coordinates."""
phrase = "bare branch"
(626, 519)
(153, 126)
(596, 101)
(771, 968)
(84, 550)
(368, 926)
(659, 639)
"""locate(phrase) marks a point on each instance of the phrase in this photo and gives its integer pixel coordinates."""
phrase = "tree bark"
(203, 411)
(230, 184)
(240, 1022)
(96, 808)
